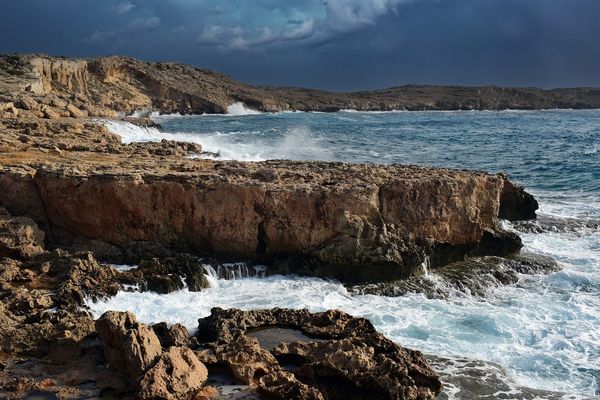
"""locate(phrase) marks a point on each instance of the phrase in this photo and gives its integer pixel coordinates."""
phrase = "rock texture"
(339, 356)
(177, 375)
(354, 222)
(105, 86)
(129, 347)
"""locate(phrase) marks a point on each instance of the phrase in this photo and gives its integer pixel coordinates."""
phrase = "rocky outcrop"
(177, 375)
(129, 347)
(354, 222)
(20, 237)
(516, 204)
(334, 356)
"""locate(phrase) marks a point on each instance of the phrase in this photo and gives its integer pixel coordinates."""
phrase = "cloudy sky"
(329, 44)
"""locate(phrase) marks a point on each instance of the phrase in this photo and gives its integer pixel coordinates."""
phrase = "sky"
(327, 44)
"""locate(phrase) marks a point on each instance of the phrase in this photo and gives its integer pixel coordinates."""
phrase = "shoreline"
(73, 193)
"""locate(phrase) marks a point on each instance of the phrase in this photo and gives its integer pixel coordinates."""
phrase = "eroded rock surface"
(177, 375)
(129, 347)
(341, 356)
(353, 222)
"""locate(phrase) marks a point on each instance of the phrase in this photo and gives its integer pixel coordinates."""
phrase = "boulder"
(129, 347)
(76, 112)
(49, 112)
(177, 374)
(20, 237)
(27, 103)
(176, 335)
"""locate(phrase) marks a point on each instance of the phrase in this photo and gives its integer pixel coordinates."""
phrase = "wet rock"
(81, 276)
(177, 374)
(129, 347)
(475, 379)
(352, 368)
(546, 223)
(516, 204)
(477, 276)
(168, 274)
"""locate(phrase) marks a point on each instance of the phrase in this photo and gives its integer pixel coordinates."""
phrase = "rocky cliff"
(354, 222)
(110, 85)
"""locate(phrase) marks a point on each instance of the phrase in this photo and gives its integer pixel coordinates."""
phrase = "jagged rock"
(176, 335)
(20, 237)
(366, 371)
(84, 277)
(477, 276)
(516, 204)
(129, 347)
(284, 385)
(339, 356)
(76, 112)
(38, 338)
(27, 103)
(49, 112)
(177, 374)
(246, 359)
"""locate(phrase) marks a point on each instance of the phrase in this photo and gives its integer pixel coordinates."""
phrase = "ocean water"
(543, 331)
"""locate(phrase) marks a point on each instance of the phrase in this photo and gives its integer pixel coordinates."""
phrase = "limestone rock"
(27, 103)
(176, 335)
(177, 374)
(129, 346)
(49, 112)
(284, 385)
(20, 237)
(246, 359)
(338, 357)
(76, 112)
(516, 204)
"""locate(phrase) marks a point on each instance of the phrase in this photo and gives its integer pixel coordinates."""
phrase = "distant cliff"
(109, 85)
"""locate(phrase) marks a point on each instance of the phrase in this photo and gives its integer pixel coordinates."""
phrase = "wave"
(239, 108)
(130, 133)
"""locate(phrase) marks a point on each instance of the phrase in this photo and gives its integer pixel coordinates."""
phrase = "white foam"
(123, 267)
(297, 143)
(130, 133)
(240, 108)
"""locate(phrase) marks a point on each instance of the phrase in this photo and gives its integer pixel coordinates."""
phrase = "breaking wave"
(239, 108)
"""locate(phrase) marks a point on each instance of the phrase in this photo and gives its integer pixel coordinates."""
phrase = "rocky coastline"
(74, 200)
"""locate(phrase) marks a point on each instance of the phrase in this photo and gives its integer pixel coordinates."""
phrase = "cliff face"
(356, 222)
(110, 85)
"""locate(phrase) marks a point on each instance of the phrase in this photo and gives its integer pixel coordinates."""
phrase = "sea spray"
(239, 108)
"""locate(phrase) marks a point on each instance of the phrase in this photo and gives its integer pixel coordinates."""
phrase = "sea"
(542, 333)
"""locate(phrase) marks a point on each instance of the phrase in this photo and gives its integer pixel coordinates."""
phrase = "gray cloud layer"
(335, 44)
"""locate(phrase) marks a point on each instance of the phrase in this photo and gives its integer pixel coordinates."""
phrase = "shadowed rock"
(129, 347)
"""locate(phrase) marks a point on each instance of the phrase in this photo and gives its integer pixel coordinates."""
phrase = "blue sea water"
(544, 331)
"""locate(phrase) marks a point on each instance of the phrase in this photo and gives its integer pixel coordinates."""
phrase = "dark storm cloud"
(335, 44)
